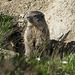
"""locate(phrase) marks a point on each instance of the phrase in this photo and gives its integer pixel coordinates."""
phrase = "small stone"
(21, 20)
(38, 59)
(64, 62)
(20, 24)
(48, 0)
(9, 0)
(22, 15)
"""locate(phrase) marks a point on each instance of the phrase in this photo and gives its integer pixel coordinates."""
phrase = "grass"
(6, 28)
(70, 66)
(44, 66)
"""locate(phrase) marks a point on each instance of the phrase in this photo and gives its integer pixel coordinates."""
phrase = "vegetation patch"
(48, 65)
(6, 28)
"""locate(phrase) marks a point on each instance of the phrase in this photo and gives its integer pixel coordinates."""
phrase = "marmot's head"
(36, 18)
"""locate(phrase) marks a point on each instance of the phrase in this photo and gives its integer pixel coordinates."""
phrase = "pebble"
(38, 59)
(21, 20)
(22, 15)
(64, 62)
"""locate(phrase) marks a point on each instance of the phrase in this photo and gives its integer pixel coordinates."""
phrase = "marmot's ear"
(42, 14)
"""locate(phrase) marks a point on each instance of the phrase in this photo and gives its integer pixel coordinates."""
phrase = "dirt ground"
(20, 8)
(17, 7)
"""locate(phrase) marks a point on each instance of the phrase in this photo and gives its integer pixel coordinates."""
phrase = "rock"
(60, 14)
(22, 15)
(21, 20)
(6, 61)
(7, 54)
(9, 0)
(60, 17)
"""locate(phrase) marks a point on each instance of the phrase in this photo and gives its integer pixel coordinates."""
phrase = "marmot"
(36, 36)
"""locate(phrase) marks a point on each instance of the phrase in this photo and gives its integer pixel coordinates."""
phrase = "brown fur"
(36, 37)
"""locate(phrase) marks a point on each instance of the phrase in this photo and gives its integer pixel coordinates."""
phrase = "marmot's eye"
(36, 16)
(42, 16)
